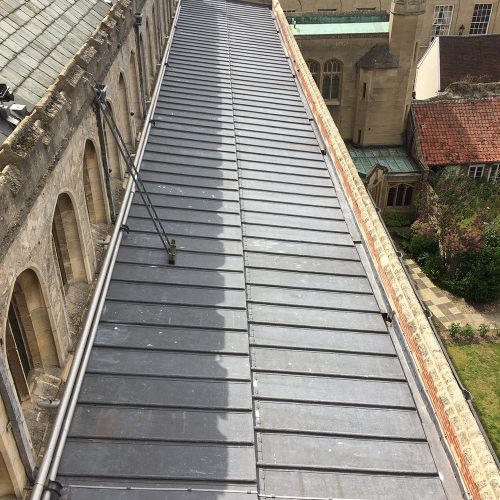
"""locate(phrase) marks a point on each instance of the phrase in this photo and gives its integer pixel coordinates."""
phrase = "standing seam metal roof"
(261, 361)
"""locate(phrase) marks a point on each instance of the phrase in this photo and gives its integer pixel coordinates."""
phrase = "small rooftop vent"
(6, 94)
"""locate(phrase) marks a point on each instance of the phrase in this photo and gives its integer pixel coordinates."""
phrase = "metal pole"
(137, 23)
(104, 159)
(16, 420)
(101, 102)
(48, 467)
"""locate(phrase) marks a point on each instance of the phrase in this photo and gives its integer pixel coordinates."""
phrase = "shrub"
(454, 330)
(420, 246)
(467, 331)
(477, 278)
(395, 219)
(483, 330)
(432, 265)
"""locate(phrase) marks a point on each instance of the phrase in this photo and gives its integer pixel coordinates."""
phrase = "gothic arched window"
(332, 75)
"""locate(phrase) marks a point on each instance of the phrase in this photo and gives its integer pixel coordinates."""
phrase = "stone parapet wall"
(34, 148)
(470, 451)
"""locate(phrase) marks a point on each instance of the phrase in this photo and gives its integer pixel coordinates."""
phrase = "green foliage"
(396, 219)
(456, 239)
(421, 246)
(477, 278)
(454, 330)
(483, 330)
(433, 266)
(478, 366)
(467, 332)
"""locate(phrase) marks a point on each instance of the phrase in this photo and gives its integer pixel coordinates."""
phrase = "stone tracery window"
(332, 75)
(315, 69)
(400, 195)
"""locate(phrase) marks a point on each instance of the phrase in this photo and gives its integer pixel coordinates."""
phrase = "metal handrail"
(50, 463)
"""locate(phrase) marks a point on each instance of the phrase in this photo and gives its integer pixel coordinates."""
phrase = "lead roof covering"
(260, 364)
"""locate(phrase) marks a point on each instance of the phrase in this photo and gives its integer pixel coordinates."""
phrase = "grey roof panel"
(160, 424)
(329, 390)
(165, 393)
(172, 338)
(321, 340)
(153, 460)
(344, 485)
(301, 418)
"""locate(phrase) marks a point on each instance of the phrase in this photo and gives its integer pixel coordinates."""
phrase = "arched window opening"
(315, 69)
(152, 50)
(135, 96)
(332, 75)
(66, 243)
(157, 32)
(162, 22)
(124, 110)
(146, 57)
(114, 157)
(400, 195)
(18, 354)
(29, 338)
(92, 185)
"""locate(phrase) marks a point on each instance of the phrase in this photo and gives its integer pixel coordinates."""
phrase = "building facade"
(363, 55)
(446, 133)
(451, 59)
(61, 181)
(364, 65)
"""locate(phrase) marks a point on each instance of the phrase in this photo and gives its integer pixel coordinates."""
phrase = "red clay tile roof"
(469, 56)
(458, 131)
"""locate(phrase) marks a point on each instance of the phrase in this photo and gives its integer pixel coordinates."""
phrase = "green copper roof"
(395, 158)
(339, 25)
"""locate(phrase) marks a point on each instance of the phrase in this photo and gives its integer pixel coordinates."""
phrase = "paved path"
(444, 306)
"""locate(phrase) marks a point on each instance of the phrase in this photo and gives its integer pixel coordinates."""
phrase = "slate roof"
(395, 158)
(469, 56)
(378, 57)
(39, 37)
(459, 131)
(260, 365)
(354, 24)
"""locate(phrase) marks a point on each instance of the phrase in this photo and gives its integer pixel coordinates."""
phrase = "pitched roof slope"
(458, 131)
(39, 37)
(469, 56)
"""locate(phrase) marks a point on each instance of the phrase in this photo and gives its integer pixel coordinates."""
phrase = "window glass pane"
(480, 19)
(441, 21)
(400, 194)
(326, 87)
(390, 196)
(335, 87)
(495, 173)
(332, 73)
(408, 196)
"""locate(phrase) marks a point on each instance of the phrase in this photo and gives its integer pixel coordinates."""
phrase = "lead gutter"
(52, 457)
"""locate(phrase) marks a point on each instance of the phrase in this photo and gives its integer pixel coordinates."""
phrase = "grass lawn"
(478, 366)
